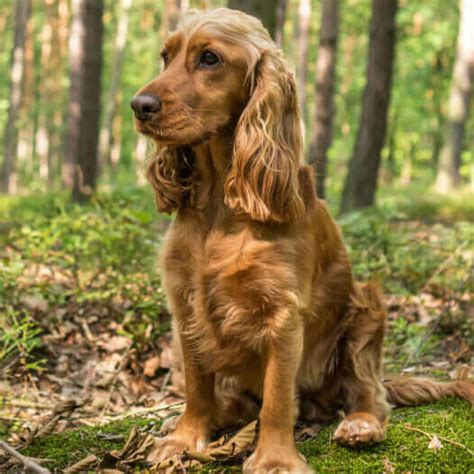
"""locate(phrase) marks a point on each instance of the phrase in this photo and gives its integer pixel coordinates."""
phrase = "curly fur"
(266, 315)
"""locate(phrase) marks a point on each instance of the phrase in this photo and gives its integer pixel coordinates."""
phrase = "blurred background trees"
(384, 92)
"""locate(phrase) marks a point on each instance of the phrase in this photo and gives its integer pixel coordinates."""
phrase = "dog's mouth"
(181, 132)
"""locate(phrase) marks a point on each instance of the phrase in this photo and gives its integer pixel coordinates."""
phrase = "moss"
(68, 447)
(405, 450)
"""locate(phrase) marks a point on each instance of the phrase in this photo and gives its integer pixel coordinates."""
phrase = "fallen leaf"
(236, 444)
(151, 366)
(82, 465)
(35, 303)
(388, 466)
(435, 444)
(307, 432)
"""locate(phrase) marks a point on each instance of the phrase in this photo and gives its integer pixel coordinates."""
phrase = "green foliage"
(61, 260)
(404, 255)
(18, 341)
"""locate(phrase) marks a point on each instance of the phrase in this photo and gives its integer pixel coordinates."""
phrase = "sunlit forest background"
(385, 92)
(133, 34)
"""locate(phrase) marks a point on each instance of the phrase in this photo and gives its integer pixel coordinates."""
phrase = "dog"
(267, 320)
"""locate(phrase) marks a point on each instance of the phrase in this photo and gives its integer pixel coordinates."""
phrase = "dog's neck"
(212, 161)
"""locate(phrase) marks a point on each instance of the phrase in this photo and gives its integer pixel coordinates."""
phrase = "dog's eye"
(165, 56)
(209, 59)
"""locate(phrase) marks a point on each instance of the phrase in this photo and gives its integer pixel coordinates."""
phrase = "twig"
(165, 382)
(442, 438)
(425, 338)
(145, 411)
(27, 462)
(442, 267)
(113, 382)
(27, 404)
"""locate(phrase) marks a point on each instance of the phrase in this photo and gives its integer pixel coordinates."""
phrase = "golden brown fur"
(258, 280)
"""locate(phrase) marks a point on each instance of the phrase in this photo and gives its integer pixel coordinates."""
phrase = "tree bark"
(324, 97)
(171, 11)
(112, 101)
(266, 11)
(26, 122)
(8, 170)
(304, 17)
(461, 87)
(84, 103)
(361, 182)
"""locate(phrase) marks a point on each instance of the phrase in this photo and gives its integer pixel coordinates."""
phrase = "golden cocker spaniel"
(267, 319)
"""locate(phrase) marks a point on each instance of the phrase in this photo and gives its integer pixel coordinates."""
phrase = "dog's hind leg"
(365, 398)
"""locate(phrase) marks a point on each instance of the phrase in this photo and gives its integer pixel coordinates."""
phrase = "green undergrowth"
(403, 450)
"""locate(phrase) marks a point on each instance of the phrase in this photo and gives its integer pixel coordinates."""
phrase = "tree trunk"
(266, 11)
(463, 76)
(361, 182)
(112, 101)
(84, 102)
(280, 23)
(324, 97)
(47, 92)
(304, 17)
(171, 11)
(26, 126)
(8, 171)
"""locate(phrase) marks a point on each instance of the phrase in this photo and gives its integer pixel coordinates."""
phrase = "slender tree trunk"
(361, 182)
(26, 125)
(112, 101)
(280, 22)
(325, 85)
(84, 109)
(304, 17)
(76, 53)
(463, 76)
(8, 171)
(47, 98)
(171, 11)
(266, 11)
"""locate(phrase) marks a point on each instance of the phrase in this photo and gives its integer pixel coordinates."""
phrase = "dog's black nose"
(145, 105)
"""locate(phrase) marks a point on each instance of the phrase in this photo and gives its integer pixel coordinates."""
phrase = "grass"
(405, 450)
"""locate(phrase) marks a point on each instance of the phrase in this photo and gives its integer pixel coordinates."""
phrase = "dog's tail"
(411, 391)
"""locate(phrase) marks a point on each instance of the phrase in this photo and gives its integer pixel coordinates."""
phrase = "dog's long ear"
(263, 178)
(170, 174)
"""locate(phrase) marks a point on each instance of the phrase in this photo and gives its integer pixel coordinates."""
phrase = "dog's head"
(223, 74)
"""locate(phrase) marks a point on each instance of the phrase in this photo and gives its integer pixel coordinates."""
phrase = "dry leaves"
(225, 448)
(138, 446)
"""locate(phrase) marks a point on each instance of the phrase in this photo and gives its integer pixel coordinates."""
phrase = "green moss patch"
(68, 447)
(404, 450)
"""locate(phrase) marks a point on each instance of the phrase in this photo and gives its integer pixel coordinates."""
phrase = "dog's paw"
(276, 460)
(359, 429)
(165, 448)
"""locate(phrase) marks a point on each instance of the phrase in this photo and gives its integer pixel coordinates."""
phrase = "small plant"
(19, 340)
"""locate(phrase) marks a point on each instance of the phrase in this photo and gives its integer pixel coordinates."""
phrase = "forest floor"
(85, 344)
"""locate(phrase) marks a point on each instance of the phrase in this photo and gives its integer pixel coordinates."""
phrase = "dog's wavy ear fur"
(263, 178)
(170, 174)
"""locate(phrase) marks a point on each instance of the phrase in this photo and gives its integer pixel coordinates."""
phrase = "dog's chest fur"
(233, 284)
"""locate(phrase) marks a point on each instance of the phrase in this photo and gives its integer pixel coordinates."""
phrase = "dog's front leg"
(193, 430)
(276, 450)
